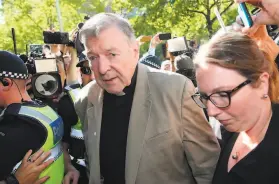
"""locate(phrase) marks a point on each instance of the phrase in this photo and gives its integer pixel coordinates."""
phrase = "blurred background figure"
(152, 61)
(184, 65)
(85, 70)
(166, 65)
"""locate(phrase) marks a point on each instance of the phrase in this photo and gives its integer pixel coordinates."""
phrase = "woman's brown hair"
(239, 52)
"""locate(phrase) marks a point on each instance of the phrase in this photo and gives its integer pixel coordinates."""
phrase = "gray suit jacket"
(169, 140)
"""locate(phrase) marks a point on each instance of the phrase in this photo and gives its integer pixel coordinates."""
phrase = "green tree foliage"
(193, 18)
(30, 18)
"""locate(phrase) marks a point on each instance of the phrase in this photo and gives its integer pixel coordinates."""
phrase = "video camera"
(46, 81)
(63, 38)
(177, 46)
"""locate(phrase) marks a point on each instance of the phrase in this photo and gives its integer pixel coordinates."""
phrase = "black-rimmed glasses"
(220, 99)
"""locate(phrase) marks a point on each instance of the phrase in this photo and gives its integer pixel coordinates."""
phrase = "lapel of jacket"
(94, 115)
(139, 117)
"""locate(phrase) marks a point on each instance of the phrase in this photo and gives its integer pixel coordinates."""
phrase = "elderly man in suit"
(140, 124)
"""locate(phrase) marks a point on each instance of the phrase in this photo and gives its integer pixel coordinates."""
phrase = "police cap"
(11, 66)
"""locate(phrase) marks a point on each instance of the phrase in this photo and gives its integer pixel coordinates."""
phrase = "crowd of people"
(125, 118)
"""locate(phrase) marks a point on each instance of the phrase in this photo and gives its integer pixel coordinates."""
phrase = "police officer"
(26, 125)
(73, 137)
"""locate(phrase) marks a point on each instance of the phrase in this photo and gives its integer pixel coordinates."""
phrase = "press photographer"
(73, 141)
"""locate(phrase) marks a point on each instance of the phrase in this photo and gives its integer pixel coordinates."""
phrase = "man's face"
(113, 59)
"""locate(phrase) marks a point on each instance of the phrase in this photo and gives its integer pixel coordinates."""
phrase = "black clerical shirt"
(114, 131)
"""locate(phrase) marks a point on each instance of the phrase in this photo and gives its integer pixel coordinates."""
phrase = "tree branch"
(19, 6)
(196, 11)
(215, 3)
(192, 10)
(224, 11)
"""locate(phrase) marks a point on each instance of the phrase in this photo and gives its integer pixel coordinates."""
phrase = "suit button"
(95, 133)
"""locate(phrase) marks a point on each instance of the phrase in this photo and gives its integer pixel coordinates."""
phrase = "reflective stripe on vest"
(56, 152)
(77, 134)
(74, 93)
(76, 129)
(54, 126)
(51, 121)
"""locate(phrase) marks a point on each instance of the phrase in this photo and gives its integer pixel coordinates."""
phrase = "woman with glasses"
(238, 84)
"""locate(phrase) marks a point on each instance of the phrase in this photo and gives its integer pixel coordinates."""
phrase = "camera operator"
(52, 101)
(73, 138)
(25, 125)
(184, 65)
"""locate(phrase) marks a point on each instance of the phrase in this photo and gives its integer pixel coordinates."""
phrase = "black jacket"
(260, 166)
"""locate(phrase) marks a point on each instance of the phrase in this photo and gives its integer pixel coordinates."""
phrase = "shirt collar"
(2, 113)
(131, 87)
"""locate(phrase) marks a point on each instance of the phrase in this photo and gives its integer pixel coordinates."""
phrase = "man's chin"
(115, 92)
(116, 89)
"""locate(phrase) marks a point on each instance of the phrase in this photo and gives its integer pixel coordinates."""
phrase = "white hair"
(102, 21)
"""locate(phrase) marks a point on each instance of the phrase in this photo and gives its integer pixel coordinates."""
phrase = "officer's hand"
(269, 13)
(32, 167)
(72, 176)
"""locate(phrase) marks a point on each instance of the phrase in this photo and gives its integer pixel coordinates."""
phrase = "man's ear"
(136, 47)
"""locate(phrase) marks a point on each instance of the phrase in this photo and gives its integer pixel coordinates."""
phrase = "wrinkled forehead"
(109, 39)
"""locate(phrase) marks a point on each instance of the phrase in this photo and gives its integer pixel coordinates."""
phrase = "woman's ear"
(264, 83)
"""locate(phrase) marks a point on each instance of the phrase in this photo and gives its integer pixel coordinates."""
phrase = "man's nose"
(104, 65)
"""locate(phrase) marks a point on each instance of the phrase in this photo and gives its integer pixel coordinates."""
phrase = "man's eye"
(112, 54)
